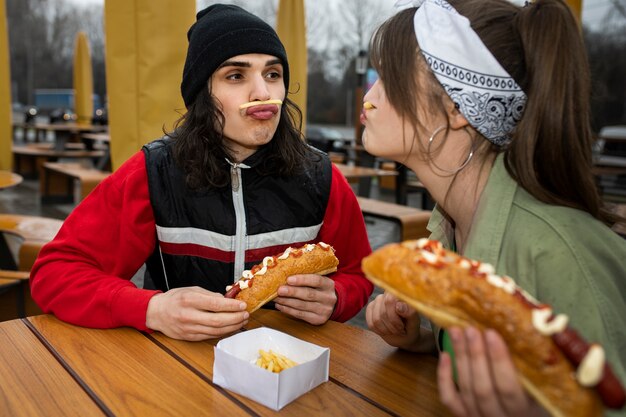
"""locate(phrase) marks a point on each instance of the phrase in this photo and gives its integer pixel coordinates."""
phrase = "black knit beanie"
(221, 32)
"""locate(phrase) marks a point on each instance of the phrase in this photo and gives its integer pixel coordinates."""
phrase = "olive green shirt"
(562, 256)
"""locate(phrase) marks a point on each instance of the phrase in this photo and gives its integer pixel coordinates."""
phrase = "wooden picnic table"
(64, 132)
(355, 172)
(51, 368)
(68, 182)
(9, 179)
(102, 136)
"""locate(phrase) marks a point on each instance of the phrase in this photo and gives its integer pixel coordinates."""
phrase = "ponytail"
(541, 46)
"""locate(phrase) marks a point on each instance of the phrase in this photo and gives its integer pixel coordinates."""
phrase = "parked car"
(612, 141)
(325, 138)
(101, 116)
(61, 115)
(30, 114)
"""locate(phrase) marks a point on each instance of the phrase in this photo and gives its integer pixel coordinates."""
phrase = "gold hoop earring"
(463, 165)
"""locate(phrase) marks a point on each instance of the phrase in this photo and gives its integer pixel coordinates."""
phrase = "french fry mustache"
(260, 103)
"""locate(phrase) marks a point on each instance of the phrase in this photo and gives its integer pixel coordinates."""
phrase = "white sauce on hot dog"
(506, 283)
(429, 257)
(591, 368)
(286, 253)
(545, 326)
(269, 261)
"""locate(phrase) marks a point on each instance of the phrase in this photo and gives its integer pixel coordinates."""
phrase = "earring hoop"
(432, 161)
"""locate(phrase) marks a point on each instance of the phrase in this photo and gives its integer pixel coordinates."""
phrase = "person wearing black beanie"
(221, 32)
(232, 184)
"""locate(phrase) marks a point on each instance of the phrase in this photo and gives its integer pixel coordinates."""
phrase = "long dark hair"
(199, 148)
(541, 46)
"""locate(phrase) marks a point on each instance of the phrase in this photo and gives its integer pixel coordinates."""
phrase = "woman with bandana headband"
(488, 103)
(232, 184)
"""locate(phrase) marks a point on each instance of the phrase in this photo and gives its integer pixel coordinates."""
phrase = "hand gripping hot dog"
(260, 284)
(568, 376)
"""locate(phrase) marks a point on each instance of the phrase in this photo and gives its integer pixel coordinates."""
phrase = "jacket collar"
(251, 161)
(492, 214)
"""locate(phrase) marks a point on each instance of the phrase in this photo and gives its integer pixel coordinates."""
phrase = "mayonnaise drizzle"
(286, 253)
(429, 257)
(269, 261)
(545, 326)
(591, 368)
(506, 283)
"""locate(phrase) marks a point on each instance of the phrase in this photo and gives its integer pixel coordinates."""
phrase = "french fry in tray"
(273, 361)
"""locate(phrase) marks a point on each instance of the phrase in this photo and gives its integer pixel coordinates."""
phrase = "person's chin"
(367, 142)
(263, 134)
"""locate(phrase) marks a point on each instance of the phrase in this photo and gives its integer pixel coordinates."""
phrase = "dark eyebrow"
(235, 64)
(245, 64)
(273, 62)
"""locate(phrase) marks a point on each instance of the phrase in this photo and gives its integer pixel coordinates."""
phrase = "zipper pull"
(234, 178)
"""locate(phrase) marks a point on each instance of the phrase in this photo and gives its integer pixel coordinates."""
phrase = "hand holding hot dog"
(398, 324)
(193, 313)
(487, 383)
(310, 297)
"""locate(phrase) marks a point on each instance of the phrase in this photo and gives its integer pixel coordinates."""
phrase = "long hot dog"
(568, 376)
(260, 284)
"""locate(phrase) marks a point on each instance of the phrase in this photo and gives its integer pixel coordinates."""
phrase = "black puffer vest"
(208, 237)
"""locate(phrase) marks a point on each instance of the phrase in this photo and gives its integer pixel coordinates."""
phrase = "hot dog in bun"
(564, 373)
(260, 284)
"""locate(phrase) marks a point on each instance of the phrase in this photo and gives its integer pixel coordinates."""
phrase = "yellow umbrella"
(146, 44)
(6, 130)
(576, 6)
(83, 80)
(291, 28)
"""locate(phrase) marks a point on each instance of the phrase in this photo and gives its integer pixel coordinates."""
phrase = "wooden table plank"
(104, 137)
(131, 374)
(353, 171)
(8, 282)
(25, 362)
(326, 399)
(9, 179)
(403, 382)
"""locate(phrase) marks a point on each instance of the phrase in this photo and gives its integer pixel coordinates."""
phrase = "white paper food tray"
(235, 366)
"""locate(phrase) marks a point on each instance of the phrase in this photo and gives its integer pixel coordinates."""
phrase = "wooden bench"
(15, 299)
(28, 160)
(412, 221)
(620, 210)
(68, 182)
(33, 231)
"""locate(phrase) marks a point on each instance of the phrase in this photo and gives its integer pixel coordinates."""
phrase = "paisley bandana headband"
(484, 92)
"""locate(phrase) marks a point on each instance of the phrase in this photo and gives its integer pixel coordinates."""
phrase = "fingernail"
(491, 336)
(282, 291)
(246, 315)
(471, 333)
(291, 280)
(401, 308)
(455, 334)
(242, 306)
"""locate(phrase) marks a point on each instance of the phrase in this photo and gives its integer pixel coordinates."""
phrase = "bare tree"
(41, 39)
